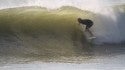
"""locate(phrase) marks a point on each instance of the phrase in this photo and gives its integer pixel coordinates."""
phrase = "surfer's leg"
(90, 32)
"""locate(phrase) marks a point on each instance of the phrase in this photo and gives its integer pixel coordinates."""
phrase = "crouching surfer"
(89, 23)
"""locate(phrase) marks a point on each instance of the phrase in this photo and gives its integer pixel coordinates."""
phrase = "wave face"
(38, 32)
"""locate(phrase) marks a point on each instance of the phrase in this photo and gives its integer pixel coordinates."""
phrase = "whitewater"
(45, 35)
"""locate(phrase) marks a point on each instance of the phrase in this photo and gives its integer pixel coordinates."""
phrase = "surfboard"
(92, 37)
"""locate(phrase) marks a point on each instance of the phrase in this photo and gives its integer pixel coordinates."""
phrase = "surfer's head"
(79, 20)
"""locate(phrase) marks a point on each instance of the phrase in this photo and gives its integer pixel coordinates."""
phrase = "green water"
(38, 32)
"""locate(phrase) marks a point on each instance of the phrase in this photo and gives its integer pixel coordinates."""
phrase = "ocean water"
(43, 34)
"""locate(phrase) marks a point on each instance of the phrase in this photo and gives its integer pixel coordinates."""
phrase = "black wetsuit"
(86, 22)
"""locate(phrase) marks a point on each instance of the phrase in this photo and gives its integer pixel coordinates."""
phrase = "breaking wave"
(37, 28)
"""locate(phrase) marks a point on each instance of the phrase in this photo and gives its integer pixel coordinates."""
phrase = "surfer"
(88, 23)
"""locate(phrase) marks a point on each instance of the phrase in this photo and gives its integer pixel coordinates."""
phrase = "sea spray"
(109, 26)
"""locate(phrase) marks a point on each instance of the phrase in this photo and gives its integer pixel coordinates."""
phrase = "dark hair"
(79, 20)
